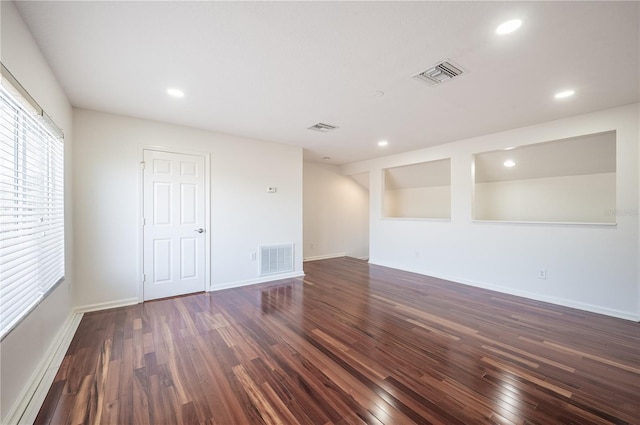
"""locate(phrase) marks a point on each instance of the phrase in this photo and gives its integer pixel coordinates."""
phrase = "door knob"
(200, 230)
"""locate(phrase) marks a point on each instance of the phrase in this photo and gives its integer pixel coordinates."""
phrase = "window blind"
(31, 210)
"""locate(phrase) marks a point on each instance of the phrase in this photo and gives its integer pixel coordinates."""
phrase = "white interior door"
(174, 224)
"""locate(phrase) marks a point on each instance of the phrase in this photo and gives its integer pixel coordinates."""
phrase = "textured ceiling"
(269, 70)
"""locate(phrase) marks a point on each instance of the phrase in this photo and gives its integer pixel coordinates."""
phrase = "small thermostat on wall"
(272, 189)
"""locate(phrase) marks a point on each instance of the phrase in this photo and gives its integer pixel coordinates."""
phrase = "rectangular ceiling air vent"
(322, 128)
(439, 73)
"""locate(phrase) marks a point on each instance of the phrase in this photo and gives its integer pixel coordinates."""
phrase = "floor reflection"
(277, 298)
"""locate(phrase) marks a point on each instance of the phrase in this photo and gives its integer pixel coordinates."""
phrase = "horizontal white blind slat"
(31, 210)
(21, 304)
(15, 297)
(18, 282)
(18, 261)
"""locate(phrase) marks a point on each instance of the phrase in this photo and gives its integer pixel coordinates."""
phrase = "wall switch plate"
(252, 256)
(542, 274)
(272, 189)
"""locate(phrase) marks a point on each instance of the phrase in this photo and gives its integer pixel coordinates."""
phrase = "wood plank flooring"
(353, 343)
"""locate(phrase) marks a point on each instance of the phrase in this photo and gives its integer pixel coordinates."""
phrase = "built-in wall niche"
(562, 181)
(421, 190)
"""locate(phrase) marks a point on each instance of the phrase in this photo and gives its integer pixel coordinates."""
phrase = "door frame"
(207, 212)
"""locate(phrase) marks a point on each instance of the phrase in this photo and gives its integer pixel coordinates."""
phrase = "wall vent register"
(276, 259)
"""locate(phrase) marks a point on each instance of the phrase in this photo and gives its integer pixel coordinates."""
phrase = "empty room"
(319, 212)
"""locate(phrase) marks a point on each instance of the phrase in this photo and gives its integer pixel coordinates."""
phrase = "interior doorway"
(174, 224)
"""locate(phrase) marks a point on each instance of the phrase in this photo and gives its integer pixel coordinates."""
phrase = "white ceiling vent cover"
(440, 73)
(276, 259)
(322, 127)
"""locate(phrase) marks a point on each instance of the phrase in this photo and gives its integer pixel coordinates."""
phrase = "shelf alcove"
(562, 181)
(421, 190)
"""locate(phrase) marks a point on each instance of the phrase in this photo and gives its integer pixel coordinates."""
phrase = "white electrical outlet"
(542, 273)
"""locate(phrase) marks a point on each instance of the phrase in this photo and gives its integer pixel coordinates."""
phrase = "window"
(31, 209)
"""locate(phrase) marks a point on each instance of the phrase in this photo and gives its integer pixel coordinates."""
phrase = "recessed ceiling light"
(175, 92)
(508, 27)
(383, 143)
(377, 93)
(326, 158)
(565, 93)
(509, 163)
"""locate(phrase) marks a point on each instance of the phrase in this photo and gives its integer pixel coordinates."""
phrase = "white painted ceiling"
(269, 70)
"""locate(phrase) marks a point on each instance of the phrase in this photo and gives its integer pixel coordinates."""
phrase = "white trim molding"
(105, 306)
(324, 257)
(264, 279)
(524, 294)
(30, 400)
(28, 404)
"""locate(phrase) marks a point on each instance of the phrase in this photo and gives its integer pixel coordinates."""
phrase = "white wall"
(589, 198)
(336, 214)
(418, 202)
(243, 215)
(25, 348)
(590, 267)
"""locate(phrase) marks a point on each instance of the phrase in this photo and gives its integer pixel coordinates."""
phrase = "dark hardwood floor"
(352, 343)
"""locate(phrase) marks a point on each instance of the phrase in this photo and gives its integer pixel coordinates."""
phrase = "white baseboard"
(525, 294)
(548, 299)
(262, 279)
(324, 257)
(30, 400)
(105, 306)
